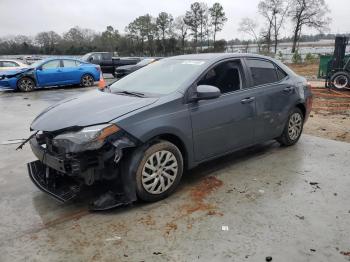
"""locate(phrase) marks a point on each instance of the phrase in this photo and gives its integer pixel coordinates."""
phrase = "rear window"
(280, 73)
(263, 72)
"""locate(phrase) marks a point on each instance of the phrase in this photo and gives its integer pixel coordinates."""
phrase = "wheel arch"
(177, 141)
(26, 76)
(302, 107)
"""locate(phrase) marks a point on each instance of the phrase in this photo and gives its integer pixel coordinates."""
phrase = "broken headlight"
(88, 138)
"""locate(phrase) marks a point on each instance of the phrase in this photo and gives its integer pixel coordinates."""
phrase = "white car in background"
(10, 64)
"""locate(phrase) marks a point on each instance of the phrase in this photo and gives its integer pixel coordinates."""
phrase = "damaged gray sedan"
(137, 136)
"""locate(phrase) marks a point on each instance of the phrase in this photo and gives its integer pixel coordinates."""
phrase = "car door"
(224, 124)
(50, 73)
(274, 96)
(71, 72)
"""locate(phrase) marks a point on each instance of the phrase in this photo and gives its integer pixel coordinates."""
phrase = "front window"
(51, 64)
(159, 78)
(226, 76)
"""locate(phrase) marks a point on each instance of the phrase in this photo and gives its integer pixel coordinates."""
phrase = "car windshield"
(85, 57)
(159, 78)
(145, 62)
(37, 63)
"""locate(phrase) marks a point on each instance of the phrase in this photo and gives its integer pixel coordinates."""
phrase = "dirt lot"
(330, 117)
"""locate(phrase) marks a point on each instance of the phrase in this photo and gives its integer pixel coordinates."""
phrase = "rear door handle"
(247, 100)
(288, 89)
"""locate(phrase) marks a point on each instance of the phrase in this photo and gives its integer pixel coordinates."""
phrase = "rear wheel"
(26, 84)
(293, 129)
(159, 171)
(87, 80)
(341, 80)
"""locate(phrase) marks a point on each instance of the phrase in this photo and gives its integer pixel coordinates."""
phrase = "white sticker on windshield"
(193, 62)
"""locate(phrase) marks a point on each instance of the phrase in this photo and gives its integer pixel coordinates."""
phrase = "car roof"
(217, 56)
(11, 60)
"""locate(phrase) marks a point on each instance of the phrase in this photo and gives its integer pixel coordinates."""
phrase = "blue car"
(51, 72)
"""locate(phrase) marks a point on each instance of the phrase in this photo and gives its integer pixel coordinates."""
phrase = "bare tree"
(218, 18)
(274, 11)
(249, 26)
(48, 41)
(308, 13)
(182, 29)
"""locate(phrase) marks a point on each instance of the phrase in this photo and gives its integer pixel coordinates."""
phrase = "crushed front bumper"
(50, 182)
(64, 175)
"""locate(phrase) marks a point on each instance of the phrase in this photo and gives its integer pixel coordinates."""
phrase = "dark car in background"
(143, 131)
(107, 62)
(51, 72)
(122, 71)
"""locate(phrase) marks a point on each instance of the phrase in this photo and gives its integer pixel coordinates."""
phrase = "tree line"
(146, 35)
(195, 31)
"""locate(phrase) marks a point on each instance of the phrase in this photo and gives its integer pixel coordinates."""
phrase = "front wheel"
(87, 81)
(26, 84)
(293, 128)
(159, 171)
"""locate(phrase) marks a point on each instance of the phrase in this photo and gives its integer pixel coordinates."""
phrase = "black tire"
(161, 174)
(26, 84)
(341, 80)
(87, 80)
(289, 137)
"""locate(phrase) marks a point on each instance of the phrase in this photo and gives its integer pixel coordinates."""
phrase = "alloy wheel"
(294, 126)
(159, 172)
(87, 80)
(26, 85)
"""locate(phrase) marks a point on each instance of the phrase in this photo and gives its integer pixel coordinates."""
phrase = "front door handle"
(288, 89)
(247, 100)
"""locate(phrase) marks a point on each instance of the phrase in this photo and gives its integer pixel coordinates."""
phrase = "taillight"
(98, 68)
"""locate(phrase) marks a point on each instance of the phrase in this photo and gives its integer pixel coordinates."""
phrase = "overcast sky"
(29, 17)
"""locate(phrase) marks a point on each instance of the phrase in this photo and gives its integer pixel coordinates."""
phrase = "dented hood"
(91, 108)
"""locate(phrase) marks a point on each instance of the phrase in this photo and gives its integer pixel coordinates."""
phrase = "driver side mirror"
(206, 92)
(40, 68)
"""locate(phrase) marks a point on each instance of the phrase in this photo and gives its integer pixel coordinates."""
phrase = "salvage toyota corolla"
(138, 135)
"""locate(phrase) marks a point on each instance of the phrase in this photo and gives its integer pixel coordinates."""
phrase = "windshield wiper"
(132, 93)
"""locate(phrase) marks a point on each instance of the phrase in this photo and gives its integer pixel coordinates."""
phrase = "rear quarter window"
(280, 73)
(263, 72)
